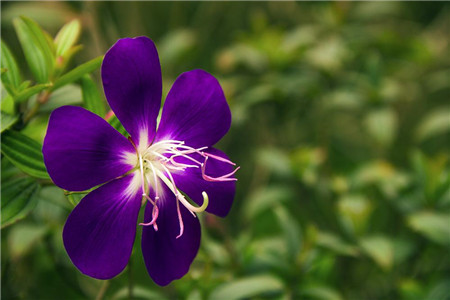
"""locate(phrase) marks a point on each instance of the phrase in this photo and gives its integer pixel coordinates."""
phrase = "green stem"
(102, 291)
(130, 280)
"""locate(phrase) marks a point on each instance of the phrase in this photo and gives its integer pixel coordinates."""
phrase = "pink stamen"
(222, 178)
(180, 220)
(219, 158)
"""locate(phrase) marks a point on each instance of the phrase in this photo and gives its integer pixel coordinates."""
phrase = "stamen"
(225, 177)
(180, 221)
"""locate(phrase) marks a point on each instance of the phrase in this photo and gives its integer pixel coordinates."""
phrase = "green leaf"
(139, 292)
(36, 48)
(8, 62)
(67, 37)
(433, 225)
(380, 249)
(382, 125)
(23, 238)
(91, 96)
(18, 199)
(78, 72)
(27, 93)
(435, 123)
(247, 287)
(7, 105)
(7, 121)
(69, 94)
(291, 231)
(336, 244)
(321, 293)
(25, 153)
(265, 198)
(114, 122)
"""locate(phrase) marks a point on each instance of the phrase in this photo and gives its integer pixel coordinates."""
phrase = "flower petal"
(81, 150)
(221, 194)
(195, 111)
(100, 232)
(131, 75)
(166, 257)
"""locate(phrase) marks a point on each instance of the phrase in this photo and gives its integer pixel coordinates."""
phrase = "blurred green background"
(341, 122)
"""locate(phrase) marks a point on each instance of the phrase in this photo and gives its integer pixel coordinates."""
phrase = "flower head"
(153, 166)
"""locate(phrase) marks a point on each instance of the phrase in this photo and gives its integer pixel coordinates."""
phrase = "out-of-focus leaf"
(175, 45)
(36, 48)
(266, 198)
(194, 295)
(7, 121)
(380, 249)
(24, 153)
(433, 225)
(274, 160)
(411, 289)
(67, 37)
(440, 291)
(78, 72)
(291, 231)
(91, 96)
(435, 123)
(69, 94)
(18, 199)
(27, 93)
(336, 244)
(8, 62)
(247, 287)
(22, 238)
(382, 125)
(320, 292)
(354, 212)
(139, 292)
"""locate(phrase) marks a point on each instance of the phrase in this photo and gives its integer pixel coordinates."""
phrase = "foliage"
(340, 125)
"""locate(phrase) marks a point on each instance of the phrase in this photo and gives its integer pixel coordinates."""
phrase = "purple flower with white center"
(152, 166)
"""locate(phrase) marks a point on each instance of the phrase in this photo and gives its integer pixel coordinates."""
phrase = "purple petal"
(166, 257)
(220, 194)
(100, 232)
(195, 111)
(131, 76)
(81, 150)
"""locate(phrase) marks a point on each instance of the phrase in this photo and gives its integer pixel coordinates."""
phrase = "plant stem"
(102, 291)
(130, 281)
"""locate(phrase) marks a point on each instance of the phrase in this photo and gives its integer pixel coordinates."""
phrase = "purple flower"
(152, 166)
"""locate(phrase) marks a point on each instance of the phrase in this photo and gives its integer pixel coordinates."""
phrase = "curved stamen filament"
(225, 177)
(160, 159)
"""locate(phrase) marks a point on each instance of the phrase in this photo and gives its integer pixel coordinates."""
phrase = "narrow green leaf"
(7, 121)
(247, 287)
(25, 153)
(91, 96)
(27, 93)
(8, 87)
(291, 231)
(36, 48)
(18, 199)
(67, 37)
(8, 62)
(114, 122)
(78, 72)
